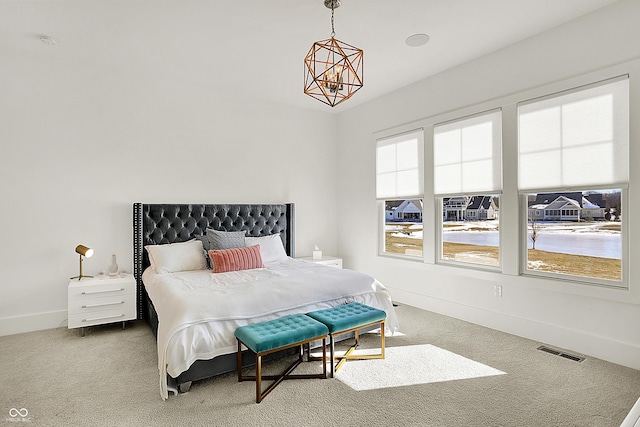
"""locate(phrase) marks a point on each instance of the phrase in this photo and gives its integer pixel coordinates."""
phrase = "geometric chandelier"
(333, 69)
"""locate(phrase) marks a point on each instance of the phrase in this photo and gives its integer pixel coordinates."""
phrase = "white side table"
(94, 301)
(326, 260)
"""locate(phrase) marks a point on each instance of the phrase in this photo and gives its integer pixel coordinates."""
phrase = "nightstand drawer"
(102, 288)
(120, 314)
(88, 305)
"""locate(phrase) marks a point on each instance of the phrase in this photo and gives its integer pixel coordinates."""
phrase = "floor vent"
(561, 354)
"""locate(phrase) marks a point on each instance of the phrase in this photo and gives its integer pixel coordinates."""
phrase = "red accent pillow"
(235, 259)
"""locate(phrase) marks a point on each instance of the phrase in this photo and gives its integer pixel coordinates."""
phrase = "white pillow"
(175, 257)
(271, 248)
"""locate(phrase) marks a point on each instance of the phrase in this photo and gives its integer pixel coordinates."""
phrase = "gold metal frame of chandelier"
(333, 71)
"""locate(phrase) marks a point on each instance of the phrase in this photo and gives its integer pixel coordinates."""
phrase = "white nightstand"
(326, 260)
(96, 301)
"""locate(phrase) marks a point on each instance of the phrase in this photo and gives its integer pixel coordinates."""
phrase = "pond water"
(605, 245)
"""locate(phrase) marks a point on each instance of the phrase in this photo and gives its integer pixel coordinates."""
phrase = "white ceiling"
(255, 48)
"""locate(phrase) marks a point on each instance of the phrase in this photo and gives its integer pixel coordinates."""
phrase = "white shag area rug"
(410, 365)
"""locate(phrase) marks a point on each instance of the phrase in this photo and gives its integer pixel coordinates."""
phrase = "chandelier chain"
(333, 31)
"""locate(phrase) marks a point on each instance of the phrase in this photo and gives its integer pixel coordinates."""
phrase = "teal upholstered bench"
(279, 334)
(350, 318)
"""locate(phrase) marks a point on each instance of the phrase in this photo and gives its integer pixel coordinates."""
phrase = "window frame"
(382, 236)
(576, 91)
(570, 278)
(440, 239)
(381, 201)
(491, 115)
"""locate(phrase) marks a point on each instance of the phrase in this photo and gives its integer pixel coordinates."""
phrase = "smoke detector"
(417, 40)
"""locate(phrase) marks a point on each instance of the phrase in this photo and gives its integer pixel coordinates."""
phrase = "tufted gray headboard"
(157, 224)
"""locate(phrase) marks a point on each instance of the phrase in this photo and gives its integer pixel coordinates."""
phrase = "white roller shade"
(578, 139)
(468, 155)
(399, 166)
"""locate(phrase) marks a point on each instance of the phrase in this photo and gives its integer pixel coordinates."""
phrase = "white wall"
(80, 143)
(596, 321)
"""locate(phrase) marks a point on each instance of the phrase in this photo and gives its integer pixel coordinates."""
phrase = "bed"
(193, 310)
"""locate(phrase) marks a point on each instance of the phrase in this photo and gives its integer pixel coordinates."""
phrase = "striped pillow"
(235, 259)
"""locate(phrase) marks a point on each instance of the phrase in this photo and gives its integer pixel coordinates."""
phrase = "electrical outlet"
(497, 290)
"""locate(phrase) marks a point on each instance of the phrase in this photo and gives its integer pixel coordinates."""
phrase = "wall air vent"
(561, 353)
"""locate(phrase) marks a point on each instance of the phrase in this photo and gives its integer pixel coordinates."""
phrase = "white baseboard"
(32, 322)
(604, 348)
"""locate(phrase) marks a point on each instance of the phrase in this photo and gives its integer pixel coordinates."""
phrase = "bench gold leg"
(382, 338)
(349, 356)
(286, 375)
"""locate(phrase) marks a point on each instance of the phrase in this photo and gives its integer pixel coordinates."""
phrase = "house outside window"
(574, 223)
(403, 227)
(399, 190)
(467, 184)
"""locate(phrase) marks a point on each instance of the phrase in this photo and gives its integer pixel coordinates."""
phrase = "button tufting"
(264, 336)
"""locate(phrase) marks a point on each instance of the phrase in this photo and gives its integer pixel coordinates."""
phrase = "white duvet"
(199, 311)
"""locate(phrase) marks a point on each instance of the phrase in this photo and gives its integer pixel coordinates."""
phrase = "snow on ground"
(600, 227)
(471, 225)
(583, 228)
(412, 235)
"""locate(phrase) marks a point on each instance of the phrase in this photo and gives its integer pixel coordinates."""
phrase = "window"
(470, 233)
(403, 227)
(399, 189)
(467, 182)
(585, 242)
(574, 221)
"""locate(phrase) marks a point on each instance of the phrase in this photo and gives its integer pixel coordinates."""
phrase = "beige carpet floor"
(109, 378)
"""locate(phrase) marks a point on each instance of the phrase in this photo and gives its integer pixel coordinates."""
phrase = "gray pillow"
(214, 239)
(223, 239)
